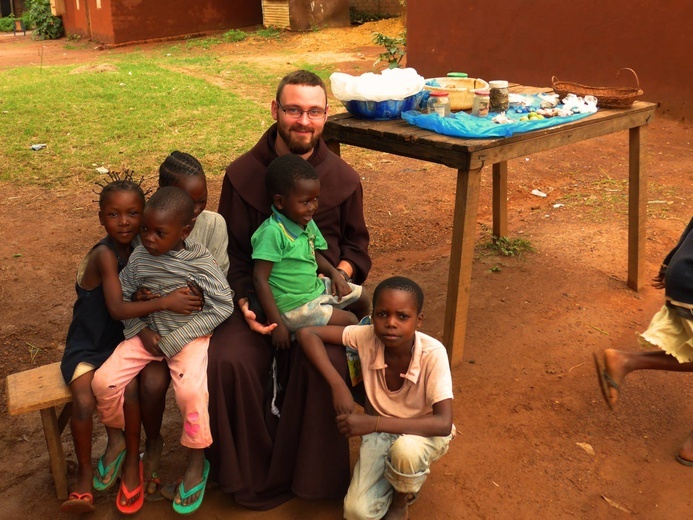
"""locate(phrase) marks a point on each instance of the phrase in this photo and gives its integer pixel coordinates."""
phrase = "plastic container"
(480, 103)
(438, 103)
(460, 90)
(498, 94)
(457, 75)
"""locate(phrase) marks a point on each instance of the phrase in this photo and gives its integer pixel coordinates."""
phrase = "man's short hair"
(175, 201)
(400, 283)
(301, 77)
(284, 171)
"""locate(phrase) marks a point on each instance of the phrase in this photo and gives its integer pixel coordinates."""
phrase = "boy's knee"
(153, 385)
(357, 508)
(407, 455)
(132, 391)
(83, 405)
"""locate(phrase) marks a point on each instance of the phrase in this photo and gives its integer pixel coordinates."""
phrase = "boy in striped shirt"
(166, 261)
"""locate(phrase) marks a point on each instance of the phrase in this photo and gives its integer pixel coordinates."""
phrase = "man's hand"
(150, 340)
(249, 316)
(355, 424)
(658, 281)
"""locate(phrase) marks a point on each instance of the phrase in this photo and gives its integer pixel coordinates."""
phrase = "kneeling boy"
(408, 420)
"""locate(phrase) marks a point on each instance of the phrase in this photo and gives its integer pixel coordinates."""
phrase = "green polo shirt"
(294, 279)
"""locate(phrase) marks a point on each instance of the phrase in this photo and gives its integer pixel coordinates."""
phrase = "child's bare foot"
(399, 508)
(613, 373)
(152, 461)
(685, 454)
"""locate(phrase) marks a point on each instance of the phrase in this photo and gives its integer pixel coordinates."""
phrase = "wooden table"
(469, 156)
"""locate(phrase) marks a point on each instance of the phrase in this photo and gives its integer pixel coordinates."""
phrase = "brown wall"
(392, 7)
(306, 14)
(586, 41)
(120, 21)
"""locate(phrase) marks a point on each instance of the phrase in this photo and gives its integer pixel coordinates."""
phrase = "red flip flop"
(124, 492)
(78, 503)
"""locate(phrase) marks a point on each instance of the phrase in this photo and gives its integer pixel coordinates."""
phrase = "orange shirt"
(427, 381)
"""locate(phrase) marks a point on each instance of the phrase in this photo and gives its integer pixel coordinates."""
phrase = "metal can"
(438, 103)
(498, 95)
(480, 103)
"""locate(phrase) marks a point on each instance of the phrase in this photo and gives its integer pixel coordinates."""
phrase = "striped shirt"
(171, 271)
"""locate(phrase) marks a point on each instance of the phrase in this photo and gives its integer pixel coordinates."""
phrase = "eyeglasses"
(296, 112)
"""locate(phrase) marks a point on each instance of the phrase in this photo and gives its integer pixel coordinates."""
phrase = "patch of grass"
(505, 246)
(129, 118)
(269, 33)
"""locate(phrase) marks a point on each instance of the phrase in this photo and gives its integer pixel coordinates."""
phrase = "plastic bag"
(391, 84)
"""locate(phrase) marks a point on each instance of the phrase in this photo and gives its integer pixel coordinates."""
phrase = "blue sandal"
(102, 472)
(191, 508)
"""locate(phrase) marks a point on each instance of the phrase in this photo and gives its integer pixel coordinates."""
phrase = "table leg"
(500, 199)
(56, 455)
(461, 256)
(637, 209)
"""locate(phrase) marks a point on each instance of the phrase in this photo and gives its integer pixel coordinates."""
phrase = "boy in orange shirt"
(408, 419)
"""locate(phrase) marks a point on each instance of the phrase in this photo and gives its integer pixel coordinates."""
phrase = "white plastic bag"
(395, 84)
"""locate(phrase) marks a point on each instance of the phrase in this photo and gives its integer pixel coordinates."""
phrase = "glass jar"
(438, 103)
(480, 103)
(498, 95)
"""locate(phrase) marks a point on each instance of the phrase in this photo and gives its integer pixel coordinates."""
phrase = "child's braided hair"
(120, 181)
(177, 165)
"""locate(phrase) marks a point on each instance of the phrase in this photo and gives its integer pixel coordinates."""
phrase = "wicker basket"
(607, 97)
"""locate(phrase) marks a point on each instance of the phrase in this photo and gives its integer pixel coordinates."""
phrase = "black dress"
(93, 334)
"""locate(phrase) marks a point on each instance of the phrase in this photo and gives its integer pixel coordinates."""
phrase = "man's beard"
(295, 146)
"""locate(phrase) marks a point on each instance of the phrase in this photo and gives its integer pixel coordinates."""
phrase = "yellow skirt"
(671, 333)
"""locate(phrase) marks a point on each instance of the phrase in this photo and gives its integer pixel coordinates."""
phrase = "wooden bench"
(43, 389)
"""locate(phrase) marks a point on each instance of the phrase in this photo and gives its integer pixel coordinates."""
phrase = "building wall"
(583, 41)
(307, 14)
(391, 7)
(119, 21)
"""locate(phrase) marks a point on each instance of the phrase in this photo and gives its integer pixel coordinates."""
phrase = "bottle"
(480, 103)
(438, 103)
(498, 95)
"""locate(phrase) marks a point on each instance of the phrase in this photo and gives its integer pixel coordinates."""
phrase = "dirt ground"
(526, 397)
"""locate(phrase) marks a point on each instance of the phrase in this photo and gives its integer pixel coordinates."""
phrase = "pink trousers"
(188, 375)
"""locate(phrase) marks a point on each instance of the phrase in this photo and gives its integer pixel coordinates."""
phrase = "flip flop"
(605, 382)
(101, 472)
(191, 508)
(683, 461)
(124, 492)
(78, 503)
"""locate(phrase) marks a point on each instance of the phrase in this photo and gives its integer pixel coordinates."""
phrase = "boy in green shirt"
(286, 250)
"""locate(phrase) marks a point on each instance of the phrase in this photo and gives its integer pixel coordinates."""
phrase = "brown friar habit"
(261, 462)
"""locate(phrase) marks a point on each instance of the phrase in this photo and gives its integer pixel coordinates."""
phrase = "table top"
(401, 138)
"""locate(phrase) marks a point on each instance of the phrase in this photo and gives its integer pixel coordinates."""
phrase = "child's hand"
(658, 281)
(251, 320)
(355, 424)
(150, 340)
(142, 294)
(182, 301)
(342, 400)
(281, 337)
(340, 287)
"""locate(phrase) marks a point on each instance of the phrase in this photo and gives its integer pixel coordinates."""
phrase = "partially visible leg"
(407, 467)
(131, 468)
(189, 377)
(82, 425)
(686, 449)
(370, 494)
(362, 306)
(342, 318)
(153, 383)
(619, 363)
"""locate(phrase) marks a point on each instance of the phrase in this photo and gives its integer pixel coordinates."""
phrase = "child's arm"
(281, 337)
(438, 424)
(340, 287)
(312, 341)
(181, 301)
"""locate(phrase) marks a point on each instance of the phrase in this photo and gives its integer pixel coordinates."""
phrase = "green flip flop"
(191, 508)
(102, 471)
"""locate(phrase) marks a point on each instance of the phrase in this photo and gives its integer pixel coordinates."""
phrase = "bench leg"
(51, 430)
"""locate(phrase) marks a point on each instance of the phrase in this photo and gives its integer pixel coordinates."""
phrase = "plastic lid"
(457, 74)
(481, 92)
(498, 83)
(438, 93)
